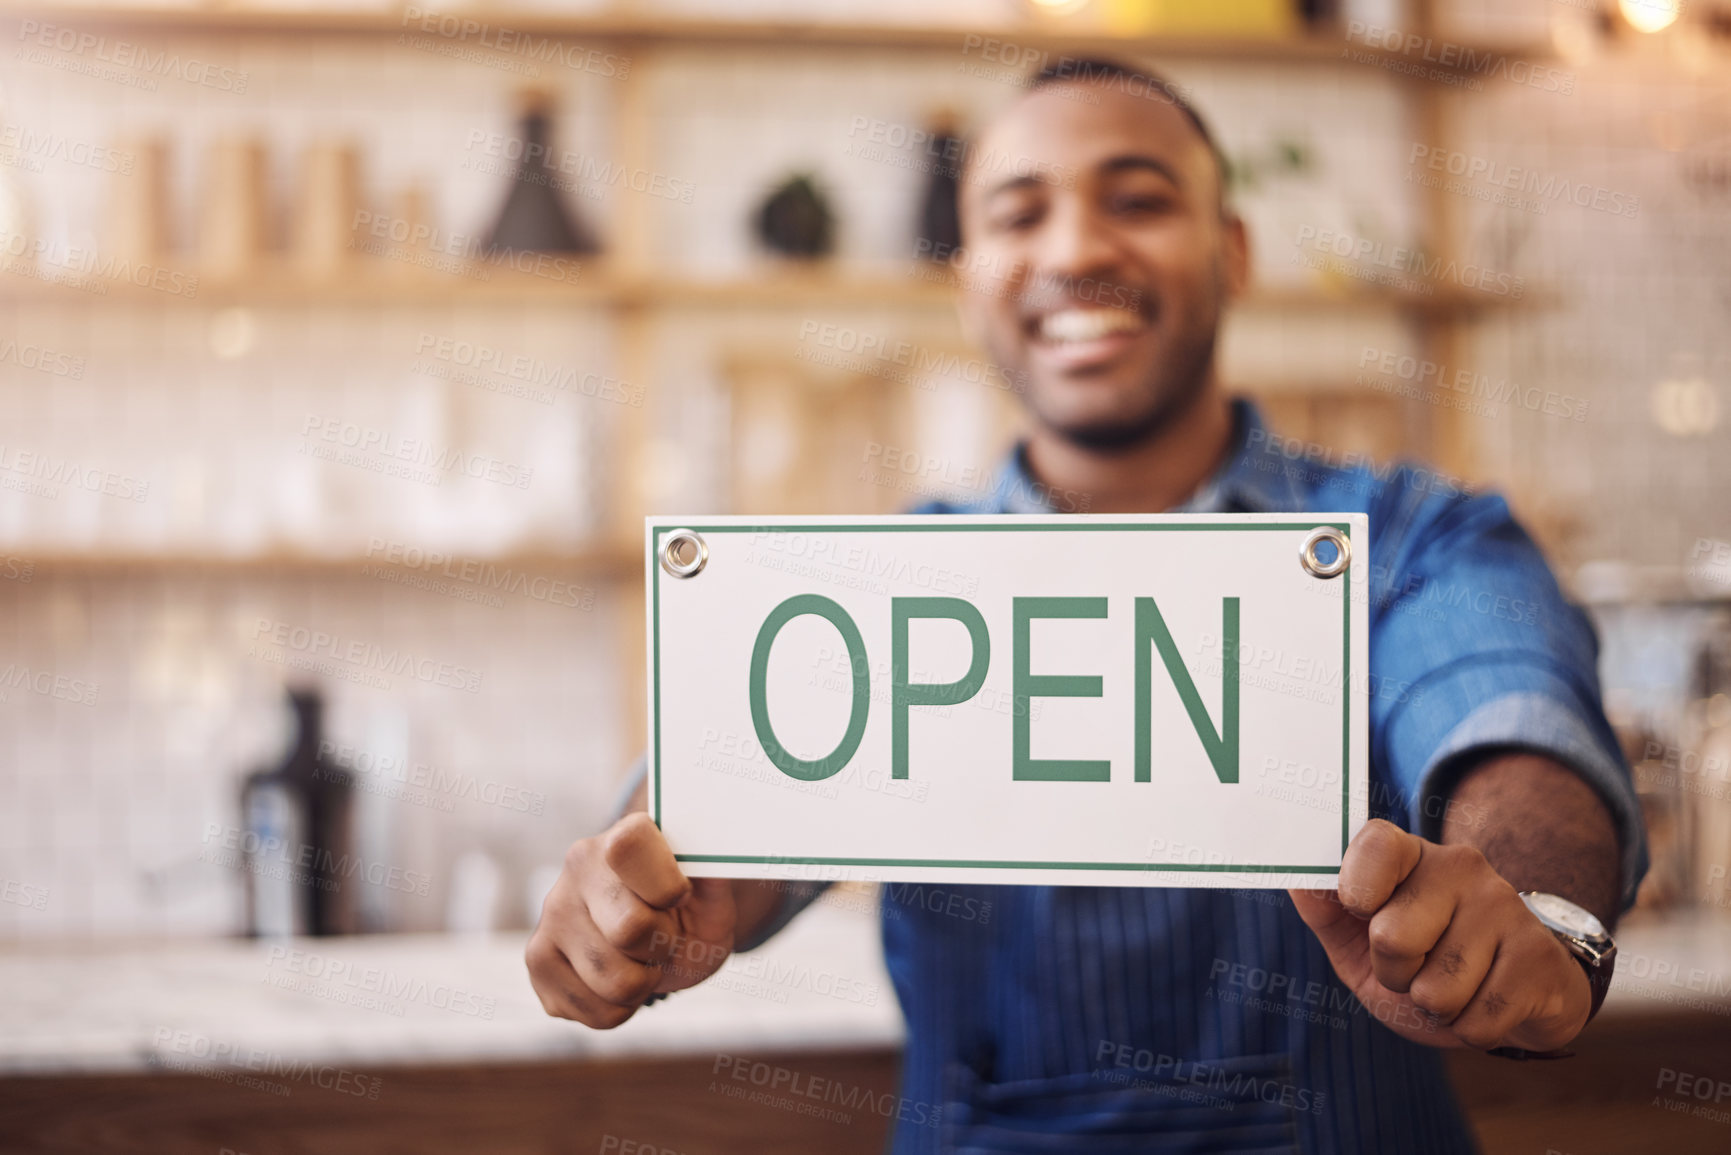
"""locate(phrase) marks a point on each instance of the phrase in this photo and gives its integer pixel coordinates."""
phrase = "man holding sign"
(1136, 1018)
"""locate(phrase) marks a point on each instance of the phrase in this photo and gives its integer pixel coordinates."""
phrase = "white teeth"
(1087, 324)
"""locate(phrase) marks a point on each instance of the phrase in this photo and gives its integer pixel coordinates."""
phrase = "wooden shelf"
(1446, 301)
(603, 563)
(624, 283)
(922, 288)
(370, 284)
(628, 30)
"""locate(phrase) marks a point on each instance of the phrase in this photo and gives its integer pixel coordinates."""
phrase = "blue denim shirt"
(1105, 1019)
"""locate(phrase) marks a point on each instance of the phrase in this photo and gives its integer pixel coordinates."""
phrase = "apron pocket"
(1243, 1104)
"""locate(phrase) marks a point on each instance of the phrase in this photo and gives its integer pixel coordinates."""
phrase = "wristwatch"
(1585, 937)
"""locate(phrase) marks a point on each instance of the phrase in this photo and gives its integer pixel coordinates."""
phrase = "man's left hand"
(1440, 948)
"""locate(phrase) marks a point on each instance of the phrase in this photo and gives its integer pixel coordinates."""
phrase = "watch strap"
(1599, 978)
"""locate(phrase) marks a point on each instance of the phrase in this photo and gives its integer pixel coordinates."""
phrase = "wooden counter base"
(1601, 1101)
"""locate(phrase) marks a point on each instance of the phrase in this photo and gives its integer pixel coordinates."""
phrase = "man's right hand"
(623, 922)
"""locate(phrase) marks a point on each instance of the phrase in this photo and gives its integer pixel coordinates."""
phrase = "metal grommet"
(1313, 565)
(686, 542)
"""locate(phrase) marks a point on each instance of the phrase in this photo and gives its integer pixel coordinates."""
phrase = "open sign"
(1084, 708)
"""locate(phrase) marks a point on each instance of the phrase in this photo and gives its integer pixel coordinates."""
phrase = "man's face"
(1099, 258)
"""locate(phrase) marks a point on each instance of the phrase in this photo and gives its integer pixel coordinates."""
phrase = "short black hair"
(1103, 69)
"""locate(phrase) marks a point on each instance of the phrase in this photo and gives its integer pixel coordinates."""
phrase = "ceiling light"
(1650, 15)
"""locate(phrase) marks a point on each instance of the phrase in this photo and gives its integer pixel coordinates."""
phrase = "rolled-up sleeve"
(1474, 649)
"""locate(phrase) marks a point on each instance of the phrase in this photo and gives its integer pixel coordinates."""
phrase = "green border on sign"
(937, 524)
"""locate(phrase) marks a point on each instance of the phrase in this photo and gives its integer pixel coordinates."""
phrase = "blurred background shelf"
(383, 287)
(917, 287)
(643, 32)
(601, 563)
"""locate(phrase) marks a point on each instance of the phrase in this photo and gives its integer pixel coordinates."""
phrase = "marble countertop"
(1678, 964)
(409, 999)
(396, 999)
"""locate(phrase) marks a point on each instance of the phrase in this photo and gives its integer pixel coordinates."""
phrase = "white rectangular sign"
(1120, 700)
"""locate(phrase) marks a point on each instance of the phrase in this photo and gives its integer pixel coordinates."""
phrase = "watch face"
(1564, 915)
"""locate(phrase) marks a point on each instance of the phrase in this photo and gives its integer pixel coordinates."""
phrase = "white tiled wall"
(154, 403)
(1637, 300)
(107, 802)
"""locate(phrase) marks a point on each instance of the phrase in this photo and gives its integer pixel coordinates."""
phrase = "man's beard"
(1184, 378)
(1181, 379)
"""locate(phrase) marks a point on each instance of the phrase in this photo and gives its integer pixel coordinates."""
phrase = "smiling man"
(1106, 1019)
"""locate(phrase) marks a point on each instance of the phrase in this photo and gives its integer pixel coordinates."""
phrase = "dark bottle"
(534, 218)
(300, 871)
(1320, 15)
(940, 230)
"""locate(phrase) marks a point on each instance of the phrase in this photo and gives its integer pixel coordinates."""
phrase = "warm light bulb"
(1650, 15)
(1048, 9)
(1045, 8)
